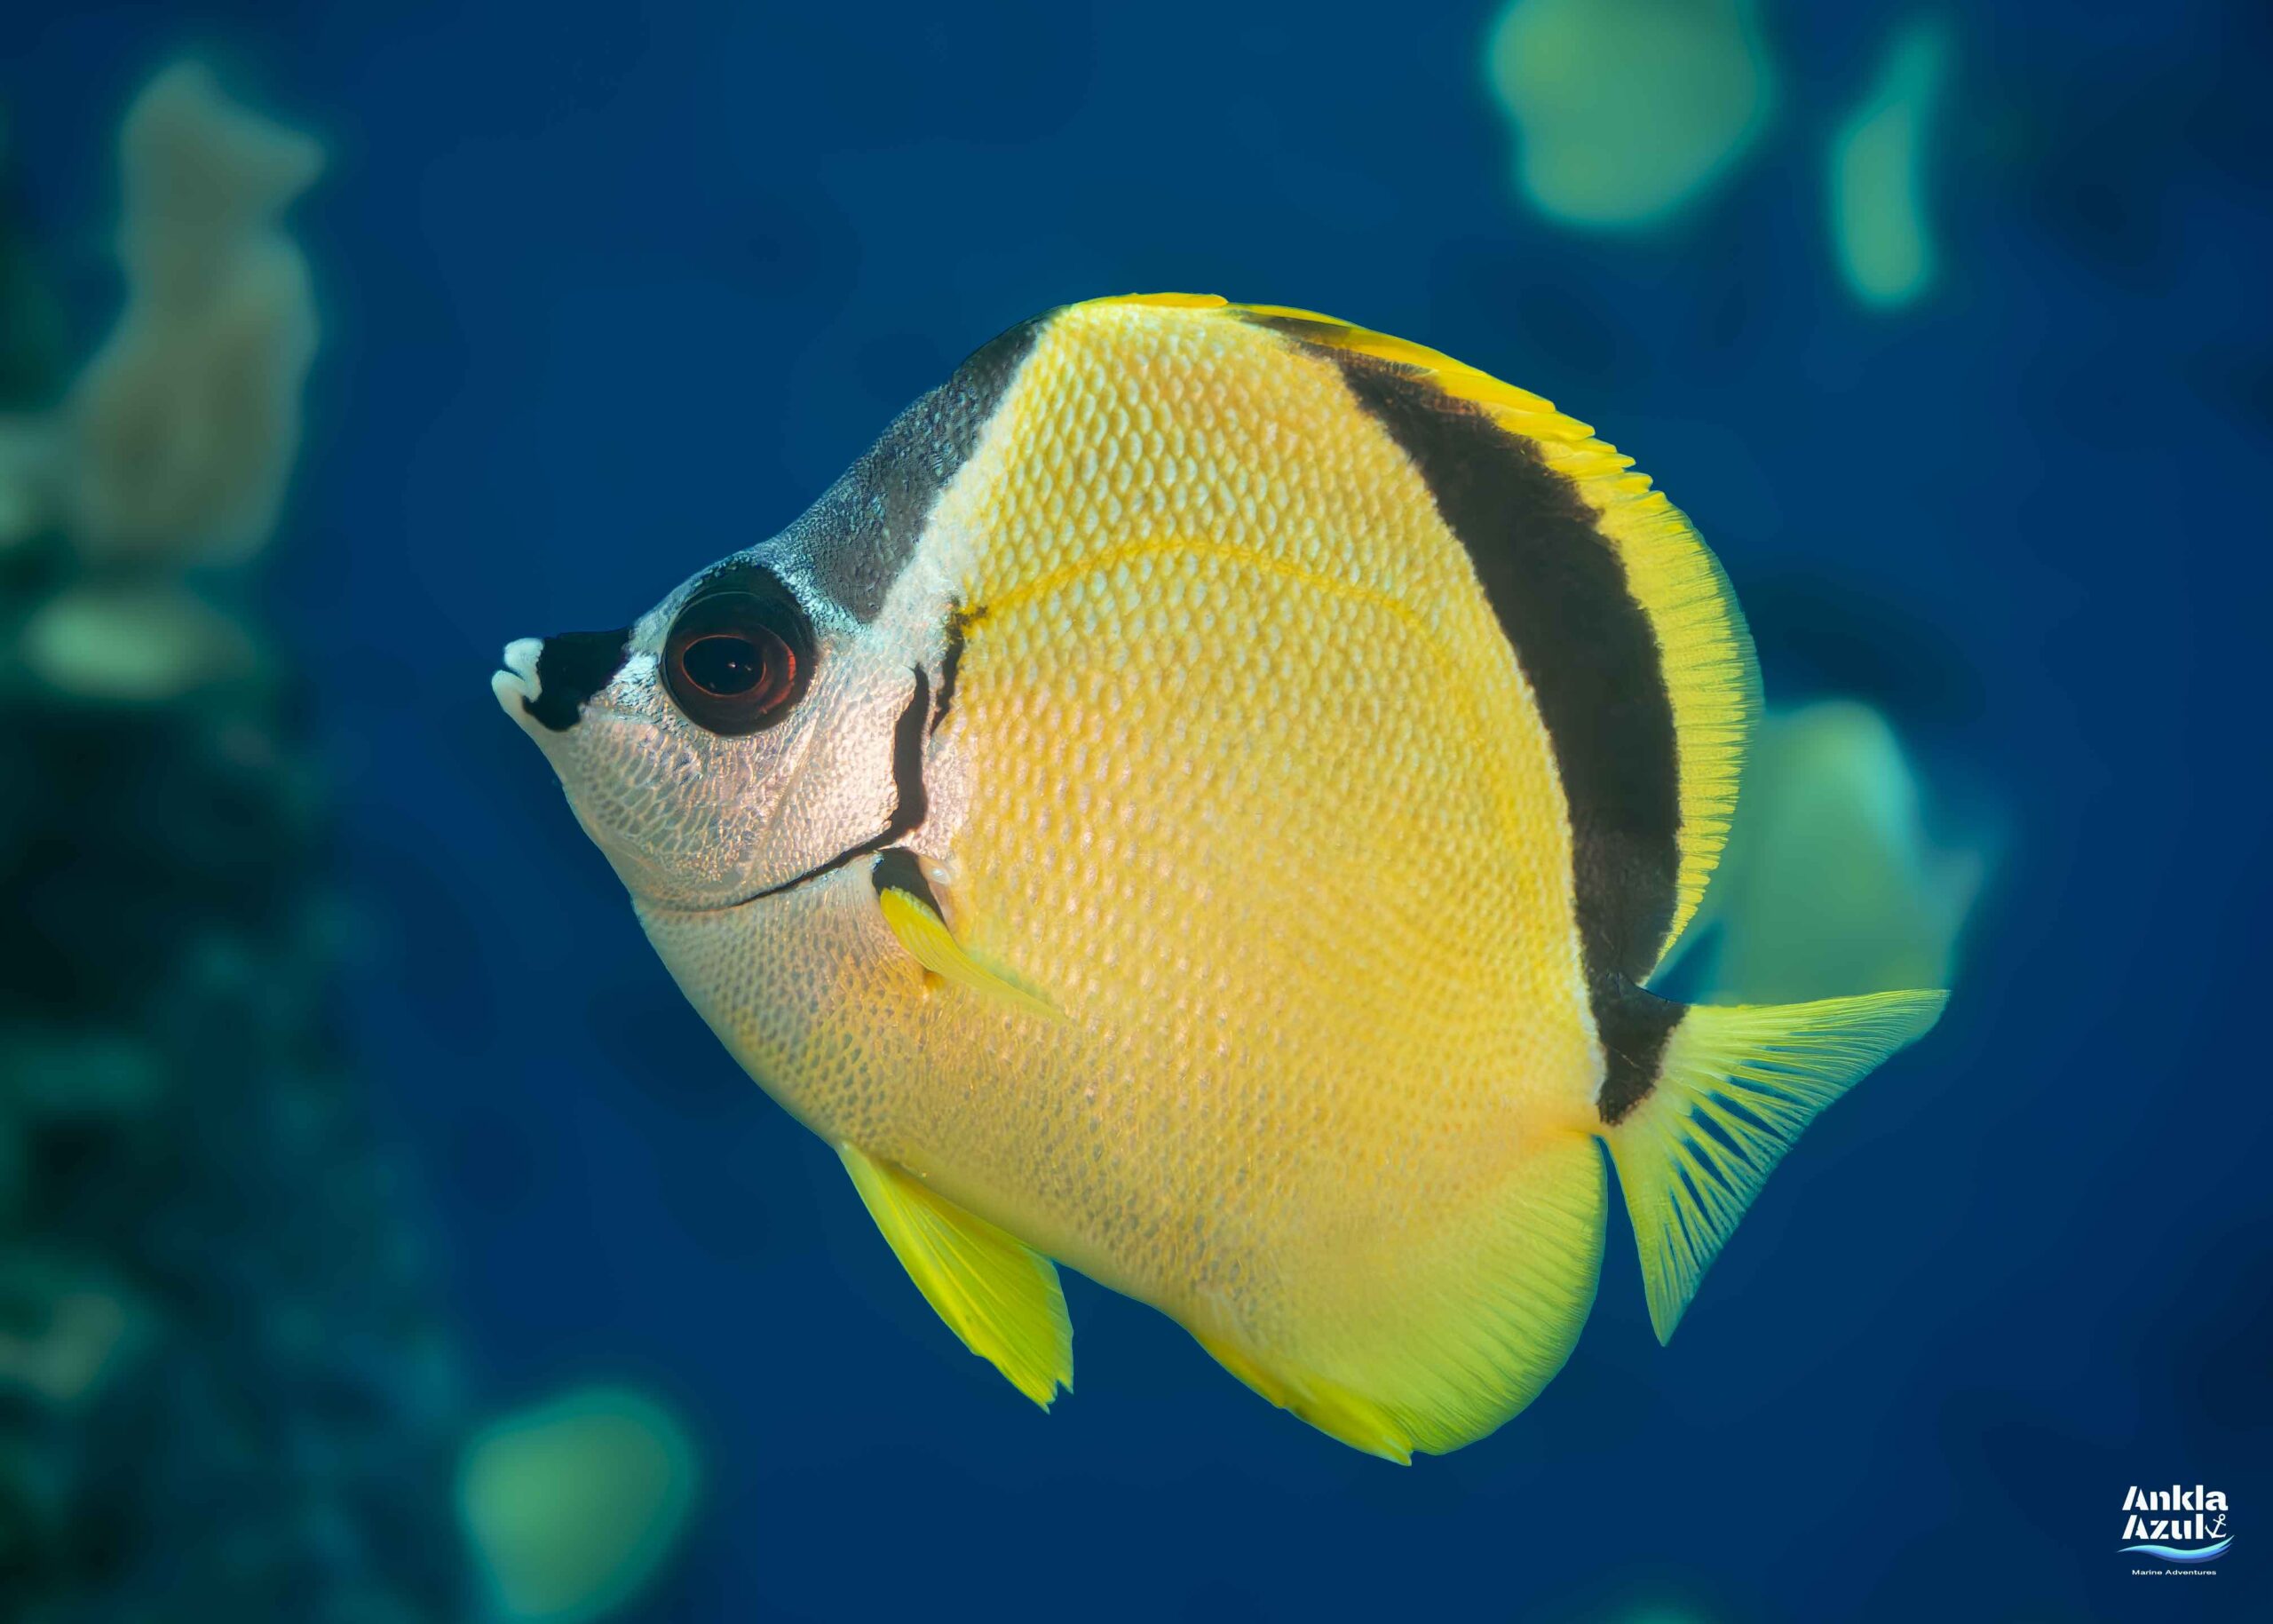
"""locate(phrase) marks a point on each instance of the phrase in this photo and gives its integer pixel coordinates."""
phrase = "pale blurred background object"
(572, 1503)
(179, 436)
(1833, 881)
(198, 1199)
(1626, 111)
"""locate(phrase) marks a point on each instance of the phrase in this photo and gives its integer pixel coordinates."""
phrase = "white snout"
(517, 684)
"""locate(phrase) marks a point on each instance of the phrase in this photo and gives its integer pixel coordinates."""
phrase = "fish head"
(736, 740)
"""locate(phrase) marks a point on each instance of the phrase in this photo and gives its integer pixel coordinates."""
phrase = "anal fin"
(996, 1293)
(1328, 1405)
(1423, 1343)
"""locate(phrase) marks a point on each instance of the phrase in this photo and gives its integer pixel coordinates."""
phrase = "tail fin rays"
(1737, 1085)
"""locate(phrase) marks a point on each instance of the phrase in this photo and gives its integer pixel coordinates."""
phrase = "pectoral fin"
(997, 1294)
(912, 911)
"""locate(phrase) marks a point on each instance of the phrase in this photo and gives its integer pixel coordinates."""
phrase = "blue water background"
(613, 291)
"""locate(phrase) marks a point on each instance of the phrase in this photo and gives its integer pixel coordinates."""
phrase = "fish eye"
(738, 656)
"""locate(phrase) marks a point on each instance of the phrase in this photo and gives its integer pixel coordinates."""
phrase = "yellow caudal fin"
(999, 1295)
(1421, 1344)
(1735, 1086)
(912, 911)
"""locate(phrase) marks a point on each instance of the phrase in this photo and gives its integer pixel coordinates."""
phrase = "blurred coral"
(224, 1390)
(137, 641)
(571, 1504)
(1832, 882)
(1878, 170)
(1624, 110)
(177, 439)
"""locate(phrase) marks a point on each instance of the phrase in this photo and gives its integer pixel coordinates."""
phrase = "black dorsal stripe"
(1587, 649)
(1633, 1024)
(1584, 643)
(859, 536)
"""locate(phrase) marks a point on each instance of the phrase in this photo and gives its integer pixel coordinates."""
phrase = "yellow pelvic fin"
(999, 1295)
(1705, 650)
(912, 911)
(1422, 1346)
(1737, 1085)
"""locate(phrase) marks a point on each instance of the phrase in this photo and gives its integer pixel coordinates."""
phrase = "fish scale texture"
(1258, 798)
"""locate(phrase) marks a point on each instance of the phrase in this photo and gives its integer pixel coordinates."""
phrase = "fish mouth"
(516, 684)
(519, 687)
(552, 681)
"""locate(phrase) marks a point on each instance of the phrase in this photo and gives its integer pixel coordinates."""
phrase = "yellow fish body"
(1201, 801)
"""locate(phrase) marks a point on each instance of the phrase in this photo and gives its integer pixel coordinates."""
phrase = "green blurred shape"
(1626, 109)
(64, 1358)
(572, 1504)
(133, 642)
(1878, 170)
(1831, 884)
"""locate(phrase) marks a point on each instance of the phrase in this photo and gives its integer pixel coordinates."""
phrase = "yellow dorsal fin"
(999, 1295)
(1705, 651)
(912, 911)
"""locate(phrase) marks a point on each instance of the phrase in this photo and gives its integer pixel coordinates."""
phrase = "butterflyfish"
(1202, 801)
